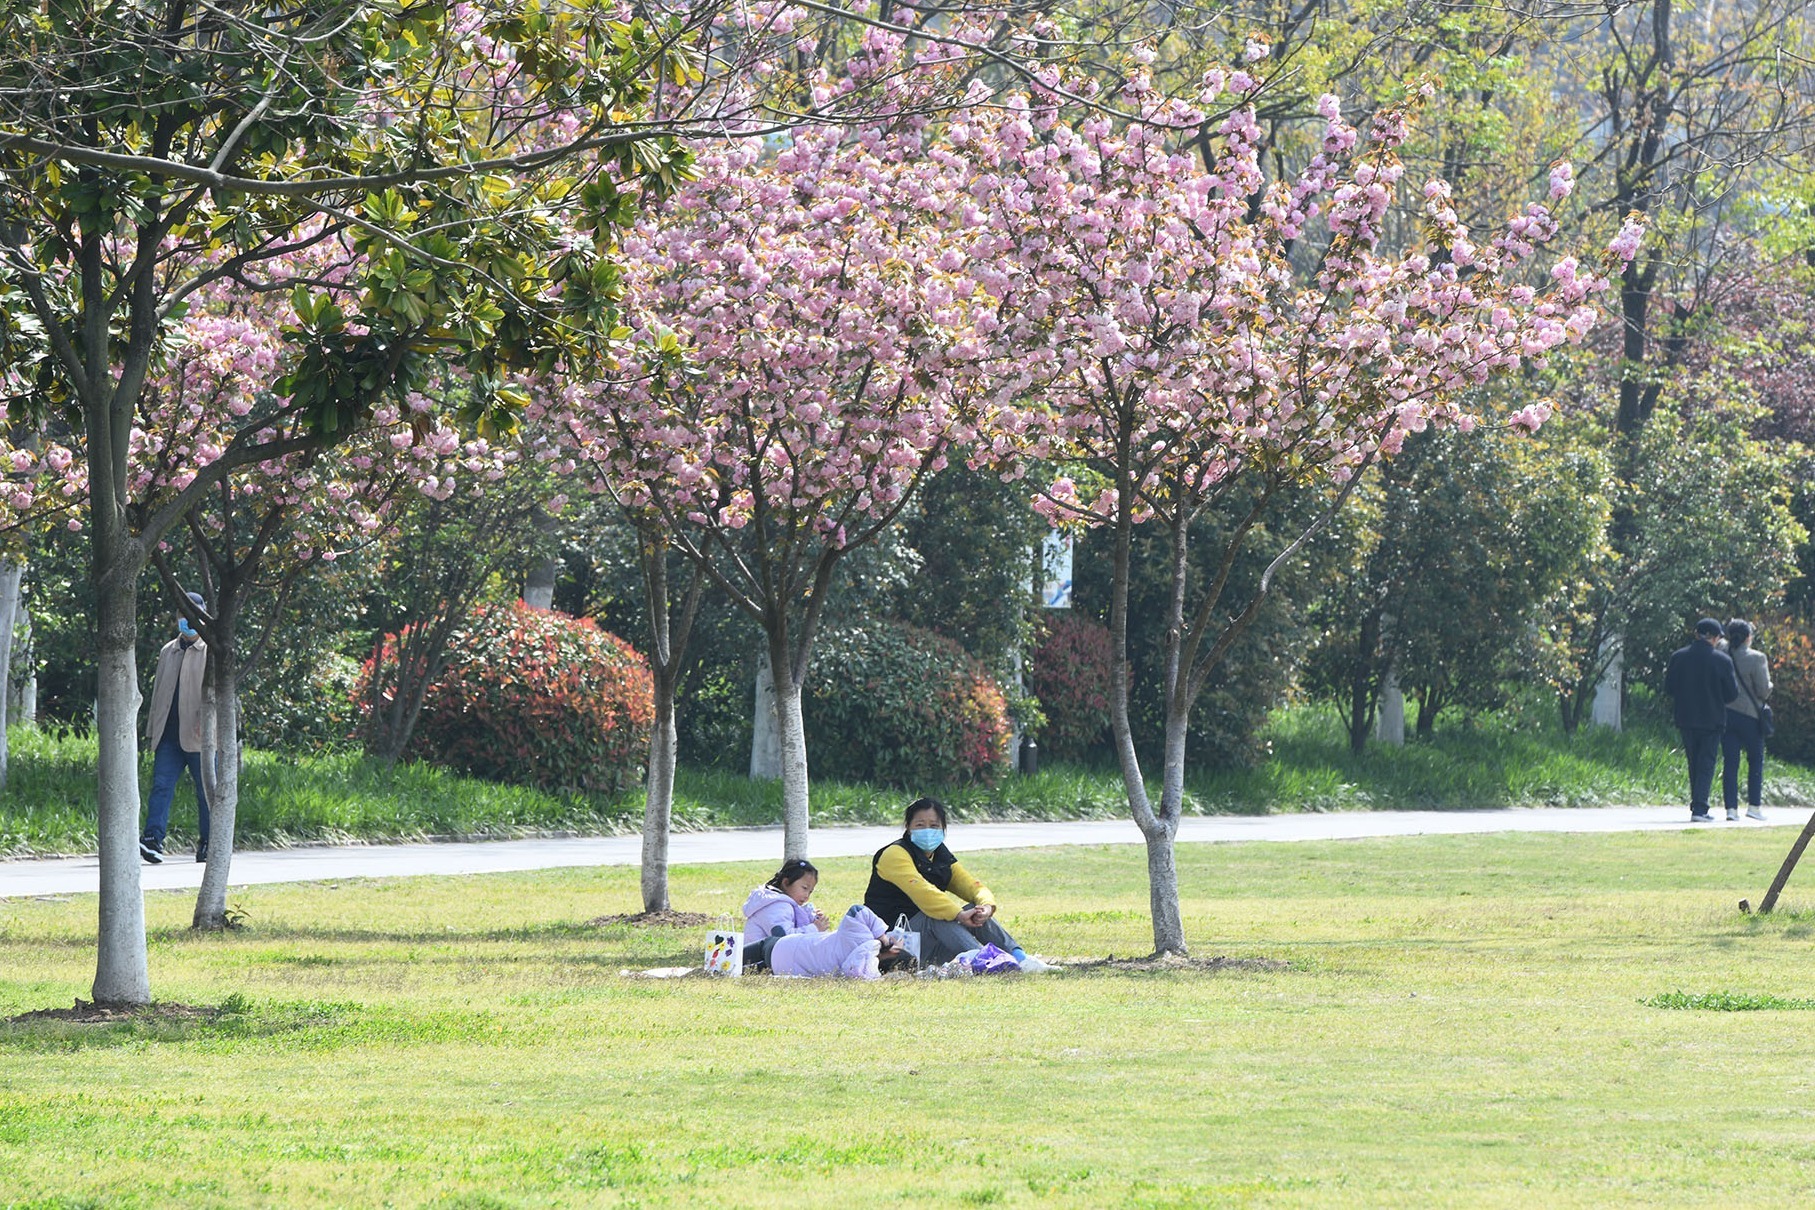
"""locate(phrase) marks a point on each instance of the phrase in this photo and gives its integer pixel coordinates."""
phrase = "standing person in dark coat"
(1700, 681)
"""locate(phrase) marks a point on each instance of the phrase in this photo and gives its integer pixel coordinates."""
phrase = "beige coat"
(190, 708)
(1754, 674)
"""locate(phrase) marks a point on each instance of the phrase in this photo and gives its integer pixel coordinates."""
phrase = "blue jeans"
(1742, 735)
(167, 767)
(1702, 745)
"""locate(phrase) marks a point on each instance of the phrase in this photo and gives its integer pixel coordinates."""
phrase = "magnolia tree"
(464, 168)
(1172, 328)
(808, 303)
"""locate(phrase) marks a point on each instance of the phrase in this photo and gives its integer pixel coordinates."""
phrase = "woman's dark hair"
(1739, 632)
(792, 870)
(919, 805)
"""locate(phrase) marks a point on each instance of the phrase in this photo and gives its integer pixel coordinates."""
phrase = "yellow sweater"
(897, 867)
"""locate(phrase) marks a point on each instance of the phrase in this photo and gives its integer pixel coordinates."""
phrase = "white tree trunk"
(658, 807)
(221, 753)
(121, 974)
(793, 768)
(539, 585)
(22, 706)
(1606, 711)
(765, 727)
(12, 576)
(1159, 828)
(1162, 894)
(1389, 724)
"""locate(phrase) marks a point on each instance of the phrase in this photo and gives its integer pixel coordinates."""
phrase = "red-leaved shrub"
(535, 697)
(891, 703)
(1069, 674)
(1790, 649)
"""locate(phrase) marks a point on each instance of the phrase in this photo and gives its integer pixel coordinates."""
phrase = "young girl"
(782, 902)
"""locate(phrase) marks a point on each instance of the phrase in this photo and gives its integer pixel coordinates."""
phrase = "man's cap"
(195, 599)
(1709, 628)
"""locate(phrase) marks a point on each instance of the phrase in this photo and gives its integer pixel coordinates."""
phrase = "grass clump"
(1727, 1002)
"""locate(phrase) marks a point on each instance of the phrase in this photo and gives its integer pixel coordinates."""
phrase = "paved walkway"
(76, 875)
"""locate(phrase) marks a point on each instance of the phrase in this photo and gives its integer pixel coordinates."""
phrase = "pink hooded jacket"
(768, 907)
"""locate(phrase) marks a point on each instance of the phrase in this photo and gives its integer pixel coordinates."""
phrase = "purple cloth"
(992, 959)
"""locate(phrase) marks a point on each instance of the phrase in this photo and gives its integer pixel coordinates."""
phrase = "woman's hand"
(975, 915)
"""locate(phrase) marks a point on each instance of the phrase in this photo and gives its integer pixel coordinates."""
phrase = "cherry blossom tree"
(806, 303)
(268, 524)
(1172, 327)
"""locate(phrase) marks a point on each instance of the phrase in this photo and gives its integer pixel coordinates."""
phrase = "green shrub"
(534, 697)
(888, 702)
(1069, 674)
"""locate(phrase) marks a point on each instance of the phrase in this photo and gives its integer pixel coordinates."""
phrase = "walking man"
(174, 729)
(1700, 682)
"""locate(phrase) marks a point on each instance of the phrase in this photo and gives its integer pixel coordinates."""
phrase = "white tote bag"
(725, 953)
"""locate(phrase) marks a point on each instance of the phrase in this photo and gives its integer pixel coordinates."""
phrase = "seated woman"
(861, 947)
(917, 877)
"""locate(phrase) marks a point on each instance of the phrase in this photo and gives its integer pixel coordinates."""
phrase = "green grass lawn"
(1497, 761)
(1516, 1020)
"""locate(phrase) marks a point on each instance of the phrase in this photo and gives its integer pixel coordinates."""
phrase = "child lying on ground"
(861, 947)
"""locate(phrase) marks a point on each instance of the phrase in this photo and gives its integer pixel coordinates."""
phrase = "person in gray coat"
(173, 728)
(1744, 733)
(1699, 680)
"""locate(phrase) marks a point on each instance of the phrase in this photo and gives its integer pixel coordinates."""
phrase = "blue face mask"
(183, 627)
(927, 839)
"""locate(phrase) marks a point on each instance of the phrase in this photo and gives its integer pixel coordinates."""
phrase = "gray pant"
(943, 940)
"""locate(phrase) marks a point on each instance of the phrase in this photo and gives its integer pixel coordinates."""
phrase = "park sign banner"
(1055, 565)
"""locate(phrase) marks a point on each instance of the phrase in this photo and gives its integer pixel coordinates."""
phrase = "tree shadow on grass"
(309, 1025)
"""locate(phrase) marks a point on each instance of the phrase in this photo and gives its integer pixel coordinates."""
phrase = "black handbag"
(1767, 727)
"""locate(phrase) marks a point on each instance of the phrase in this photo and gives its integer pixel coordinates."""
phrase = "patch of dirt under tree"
(667, 918)
(87, 1012)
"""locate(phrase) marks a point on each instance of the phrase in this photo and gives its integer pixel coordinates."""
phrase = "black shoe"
(149, 850)
(201, 852)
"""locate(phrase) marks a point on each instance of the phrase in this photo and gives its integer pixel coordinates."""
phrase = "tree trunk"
(1609, 690)
(1162, 896)
(793, 767)
(1430, 702)
(658, 806)
(765, 727)
(121, 974)
(1159, 829)
(22, 701)
(539, 585)
(11, 576)
(1363, 688)
(1390, 721)
(220, 770)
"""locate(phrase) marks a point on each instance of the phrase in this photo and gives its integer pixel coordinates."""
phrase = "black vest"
(889, 901)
